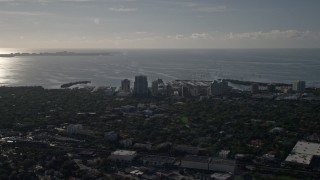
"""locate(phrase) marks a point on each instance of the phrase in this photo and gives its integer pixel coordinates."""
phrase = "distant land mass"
(63, 53)
(67, 85)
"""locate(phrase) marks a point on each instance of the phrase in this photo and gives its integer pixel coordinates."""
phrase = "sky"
(100, 24)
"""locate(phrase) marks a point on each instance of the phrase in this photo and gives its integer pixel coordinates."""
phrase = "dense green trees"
(213, 124)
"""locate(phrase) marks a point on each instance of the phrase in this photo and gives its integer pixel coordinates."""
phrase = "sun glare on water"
(5, 66)
(8, 50)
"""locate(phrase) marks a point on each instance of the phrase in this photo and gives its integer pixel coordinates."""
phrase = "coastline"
(63, 53)
(232, 81)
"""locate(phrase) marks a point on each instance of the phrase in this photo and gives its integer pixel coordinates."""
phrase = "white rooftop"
(307, 148)
(224, 152)
(220, 176)
(299, 158)
(303, 152)
(124, 153)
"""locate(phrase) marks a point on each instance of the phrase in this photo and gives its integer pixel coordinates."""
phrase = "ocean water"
(263, 65)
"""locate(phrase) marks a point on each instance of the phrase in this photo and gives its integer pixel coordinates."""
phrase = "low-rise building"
(221, 176)
(303, 153)
(222, 165)
(111, 136)
(299, 159)
(195, 162)
(74, 128)
(142, 146)
(224, 154)
(126, 143)
(315, 137)
(127, 108)
(276, 130)
(208, 163)
(158, 160)
(123, 155)
(141, 106)
(186, 149)
(163, 146)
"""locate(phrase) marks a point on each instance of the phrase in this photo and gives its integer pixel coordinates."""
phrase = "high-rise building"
(169, 90)
(140, 86)
(219, 88)
(299, 86)
(254, 88)
(158, 88)
(271, 88)
(125, 85)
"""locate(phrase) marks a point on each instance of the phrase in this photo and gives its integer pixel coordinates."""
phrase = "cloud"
(10, 2)
(193, 36)
(206, 8)
(122, 9)
(96, 20)
(76, 0)
(191, 5)
(199, 36)
(274, 34)
(63, 1)
(210, 9)
(141, 32)
(24, 13)
(129, 0)
(177, 37)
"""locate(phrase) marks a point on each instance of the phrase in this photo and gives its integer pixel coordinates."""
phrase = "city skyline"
(159, 24)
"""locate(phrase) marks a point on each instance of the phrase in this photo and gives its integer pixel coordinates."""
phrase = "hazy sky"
(159, 23)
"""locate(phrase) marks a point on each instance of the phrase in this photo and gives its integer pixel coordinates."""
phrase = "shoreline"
(63, 53)
(86, 82)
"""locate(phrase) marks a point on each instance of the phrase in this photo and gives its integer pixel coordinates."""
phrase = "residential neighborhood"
(83, 134)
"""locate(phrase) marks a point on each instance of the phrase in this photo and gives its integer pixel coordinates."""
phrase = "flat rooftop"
(124, 153)
(190, 83)
(220, 176)
(159, 158)
(304, 159)
(203, 159)
(222, 161)
(303, 152)
(304, 147)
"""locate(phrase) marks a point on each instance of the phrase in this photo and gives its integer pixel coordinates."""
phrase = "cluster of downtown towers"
(140, 86)
(176, 88)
